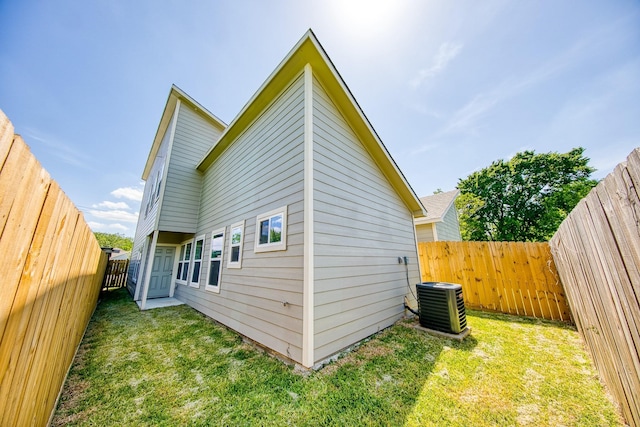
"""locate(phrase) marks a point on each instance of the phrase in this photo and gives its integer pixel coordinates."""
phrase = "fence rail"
(115, 275)
(51, 271)
(597, 250)
(510, 277)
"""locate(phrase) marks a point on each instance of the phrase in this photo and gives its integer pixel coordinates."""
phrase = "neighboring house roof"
(175, 94)
(309, 51)
(120, 256)
(437, 206)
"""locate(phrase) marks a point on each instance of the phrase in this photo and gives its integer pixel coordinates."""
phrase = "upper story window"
(235, 245)
(154, 189)
(271, 231)
(158, 182)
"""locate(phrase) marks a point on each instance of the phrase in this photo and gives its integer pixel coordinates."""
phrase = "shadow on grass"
(176, 366)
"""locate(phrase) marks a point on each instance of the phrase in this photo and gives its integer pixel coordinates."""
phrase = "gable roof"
(438, 205)
(309, 51)
(175, 94)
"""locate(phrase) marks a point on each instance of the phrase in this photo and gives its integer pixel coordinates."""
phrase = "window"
(159, 181)
(215, 260)
(271, 231)
(235, 245)
(183, 263)
(134, 267)
(197, 262)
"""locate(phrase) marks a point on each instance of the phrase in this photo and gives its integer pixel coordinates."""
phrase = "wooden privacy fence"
(51, 270)
(115, 275)
(510, 277)
(597, 251)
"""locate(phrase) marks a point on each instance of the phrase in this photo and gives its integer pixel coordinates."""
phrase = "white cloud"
(117, 226)
(446, 53)
(129, 193)
(465, 119)
(424, 148)
(107, 228)
(114, 215)
(111, 205)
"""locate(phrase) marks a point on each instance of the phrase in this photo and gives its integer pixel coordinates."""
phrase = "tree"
(114, 240)
(525, 198)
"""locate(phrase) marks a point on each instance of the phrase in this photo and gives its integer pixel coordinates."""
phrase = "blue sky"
(450, 86)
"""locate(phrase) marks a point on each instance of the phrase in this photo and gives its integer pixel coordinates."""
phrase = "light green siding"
(194, 136)
(147, 219)
(361, 228)
(449, 228)
(260, 171)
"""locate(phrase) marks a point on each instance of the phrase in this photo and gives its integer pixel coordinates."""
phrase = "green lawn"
(174, 366)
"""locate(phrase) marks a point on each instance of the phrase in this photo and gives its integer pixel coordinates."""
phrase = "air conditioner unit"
(441, 307)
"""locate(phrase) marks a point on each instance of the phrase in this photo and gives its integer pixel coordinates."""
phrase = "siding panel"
(261, 171)
(194, 136)
(449, 229)
(361, 228)
(424, 232)
(146, 220)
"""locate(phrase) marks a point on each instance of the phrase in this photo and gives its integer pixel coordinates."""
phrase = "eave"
(175, 94)
(309, 51)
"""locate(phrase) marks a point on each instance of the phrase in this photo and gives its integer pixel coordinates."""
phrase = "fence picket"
(498, 276)
(597, 252)
(51, 273)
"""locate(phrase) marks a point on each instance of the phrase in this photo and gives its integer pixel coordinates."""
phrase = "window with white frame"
(271, 231)
(235, 245)
(135, 266)
(198, 249)
(183, 263)
(215, 260)
(158, 182)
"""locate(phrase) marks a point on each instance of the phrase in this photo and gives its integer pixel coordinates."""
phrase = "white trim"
(148, 268)
(277, 246)
(192, 261)
(415, 238)
(172, 288)
(308, 273)
(230, 263)
(188, 262)
(207, 286)
(165, 169)
(143, 265)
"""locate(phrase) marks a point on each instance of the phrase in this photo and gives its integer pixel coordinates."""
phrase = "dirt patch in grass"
(174, 366)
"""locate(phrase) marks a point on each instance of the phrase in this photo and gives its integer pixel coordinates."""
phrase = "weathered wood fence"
(597, 251)
(51, 269)
(510, 277)
(115, 275)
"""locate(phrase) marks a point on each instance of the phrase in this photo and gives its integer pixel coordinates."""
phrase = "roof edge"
(309, 50)
(175, 94)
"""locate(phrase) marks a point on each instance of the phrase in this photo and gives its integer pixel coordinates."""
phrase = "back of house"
(292, 225)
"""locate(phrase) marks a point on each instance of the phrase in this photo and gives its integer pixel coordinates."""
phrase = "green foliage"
(114, 240)
(525, 198)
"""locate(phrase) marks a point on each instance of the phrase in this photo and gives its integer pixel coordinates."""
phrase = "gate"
(116, 274)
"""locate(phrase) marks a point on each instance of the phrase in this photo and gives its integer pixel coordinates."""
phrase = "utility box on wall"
(441, 307)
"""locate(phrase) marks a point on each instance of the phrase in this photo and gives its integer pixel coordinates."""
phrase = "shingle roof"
(438, 204)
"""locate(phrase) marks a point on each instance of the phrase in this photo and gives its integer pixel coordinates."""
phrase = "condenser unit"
(441, 307)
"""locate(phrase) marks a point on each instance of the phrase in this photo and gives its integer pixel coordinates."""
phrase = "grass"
(174, 366)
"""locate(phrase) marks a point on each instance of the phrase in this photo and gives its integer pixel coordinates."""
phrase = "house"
(291, 225)
(441, 222)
